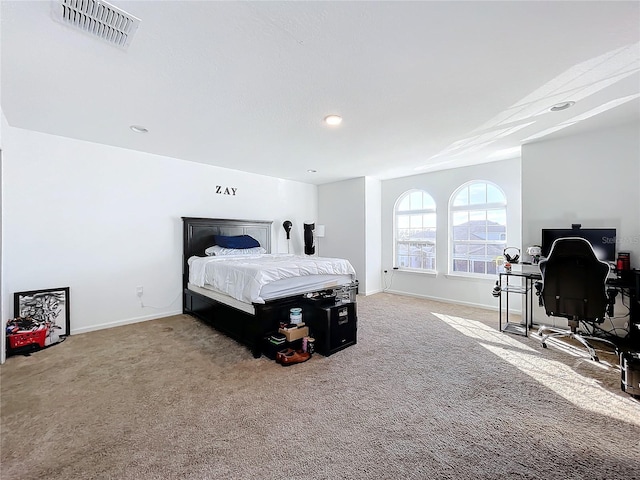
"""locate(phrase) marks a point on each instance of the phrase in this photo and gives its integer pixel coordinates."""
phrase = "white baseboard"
(120, 323)
(373, 292)
(454, 302)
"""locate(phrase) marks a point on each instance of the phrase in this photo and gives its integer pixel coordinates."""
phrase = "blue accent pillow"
(237, 241)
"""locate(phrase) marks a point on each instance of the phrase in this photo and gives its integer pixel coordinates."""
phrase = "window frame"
(480, 207)
(421, 211)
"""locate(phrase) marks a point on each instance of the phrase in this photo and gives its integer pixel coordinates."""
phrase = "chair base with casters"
(573, 333)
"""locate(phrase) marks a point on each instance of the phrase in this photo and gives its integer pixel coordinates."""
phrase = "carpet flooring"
(430, 391)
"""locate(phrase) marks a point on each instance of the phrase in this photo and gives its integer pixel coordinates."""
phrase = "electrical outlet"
(139, 291)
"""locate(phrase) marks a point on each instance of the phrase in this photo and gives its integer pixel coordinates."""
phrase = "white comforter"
(242, 277)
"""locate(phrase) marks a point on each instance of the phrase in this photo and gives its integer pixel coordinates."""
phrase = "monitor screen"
(603, 240)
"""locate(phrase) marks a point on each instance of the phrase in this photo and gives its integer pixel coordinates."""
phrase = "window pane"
(404, 204)
(460, 249)
(462, 198)
(479, 267)
(478, 231)
(478, 216)
(460, 266)
(496, 232)
(416, 201)
(497, 216)
(429, 220)
(478, 234)
(494, 195)
(428, 203)
(415, 235)
(416, 221)
(461, 233)
(459, 218)
(476, 250)
(402, 221)
(478, 193)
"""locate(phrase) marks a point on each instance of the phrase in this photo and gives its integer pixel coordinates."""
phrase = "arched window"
(478, 228)
(415, 231)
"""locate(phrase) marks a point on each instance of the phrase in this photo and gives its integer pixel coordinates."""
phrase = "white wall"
(441, 185)
(341, 209)
(592, 179)
(3, 297)
(373, 235)
(103, 220)
(351, 212)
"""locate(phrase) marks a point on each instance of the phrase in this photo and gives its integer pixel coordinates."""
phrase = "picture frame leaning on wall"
(48, 307)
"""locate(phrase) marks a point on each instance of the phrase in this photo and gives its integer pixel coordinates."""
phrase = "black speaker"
(309, 248)
(511, 257)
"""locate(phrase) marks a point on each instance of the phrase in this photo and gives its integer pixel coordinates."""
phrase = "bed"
(250, 316)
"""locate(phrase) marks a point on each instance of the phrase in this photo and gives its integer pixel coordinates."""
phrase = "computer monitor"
(603, 240)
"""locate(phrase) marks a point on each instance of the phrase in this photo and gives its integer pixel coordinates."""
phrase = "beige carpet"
(431, 391)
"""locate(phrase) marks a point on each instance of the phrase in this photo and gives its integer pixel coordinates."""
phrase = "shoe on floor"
(298, 356)
(287, 352)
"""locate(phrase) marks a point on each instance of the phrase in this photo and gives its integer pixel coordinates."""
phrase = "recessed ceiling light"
(561, 106)
(311, 170)
(333, 120)
(138, 129)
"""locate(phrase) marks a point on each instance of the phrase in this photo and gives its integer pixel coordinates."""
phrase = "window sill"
(428, 273)
(473, 278)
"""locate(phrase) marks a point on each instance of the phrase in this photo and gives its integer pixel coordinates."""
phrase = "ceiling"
(421, 86)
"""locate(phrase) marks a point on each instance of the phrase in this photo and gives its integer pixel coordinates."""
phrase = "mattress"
(280, 289)
(256, 278)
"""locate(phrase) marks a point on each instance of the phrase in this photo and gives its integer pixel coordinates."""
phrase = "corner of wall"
(3, 353)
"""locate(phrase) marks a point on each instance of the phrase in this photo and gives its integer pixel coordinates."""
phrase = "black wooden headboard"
(198, 235)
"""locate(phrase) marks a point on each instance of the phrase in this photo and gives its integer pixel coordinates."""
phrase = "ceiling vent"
(98, 19)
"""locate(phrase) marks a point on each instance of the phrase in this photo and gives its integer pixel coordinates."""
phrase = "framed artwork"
(49, 308)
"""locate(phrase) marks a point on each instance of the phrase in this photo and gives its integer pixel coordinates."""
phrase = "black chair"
(574, 287)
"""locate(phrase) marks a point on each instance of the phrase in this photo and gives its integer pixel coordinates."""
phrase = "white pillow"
(218, 250)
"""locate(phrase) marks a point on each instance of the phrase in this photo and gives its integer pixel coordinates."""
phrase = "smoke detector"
(98, 19)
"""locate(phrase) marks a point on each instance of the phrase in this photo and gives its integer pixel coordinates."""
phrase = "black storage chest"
(334, 327)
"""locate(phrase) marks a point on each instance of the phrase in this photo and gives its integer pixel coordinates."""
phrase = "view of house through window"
(478, 228)
(415, 231)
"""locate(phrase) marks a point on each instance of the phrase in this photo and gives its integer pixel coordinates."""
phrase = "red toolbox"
(22, 332)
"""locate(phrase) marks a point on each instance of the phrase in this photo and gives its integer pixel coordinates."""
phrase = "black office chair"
(574, 287)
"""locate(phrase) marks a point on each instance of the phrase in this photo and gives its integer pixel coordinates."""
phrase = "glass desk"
(526, 278)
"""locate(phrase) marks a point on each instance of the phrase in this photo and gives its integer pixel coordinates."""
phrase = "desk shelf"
(513, 289)
(506, 289)
(515, 328)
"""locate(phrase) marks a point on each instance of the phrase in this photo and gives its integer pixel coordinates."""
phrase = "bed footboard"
(243, 327)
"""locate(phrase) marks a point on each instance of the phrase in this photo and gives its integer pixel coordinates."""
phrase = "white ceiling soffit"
(98, 19)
